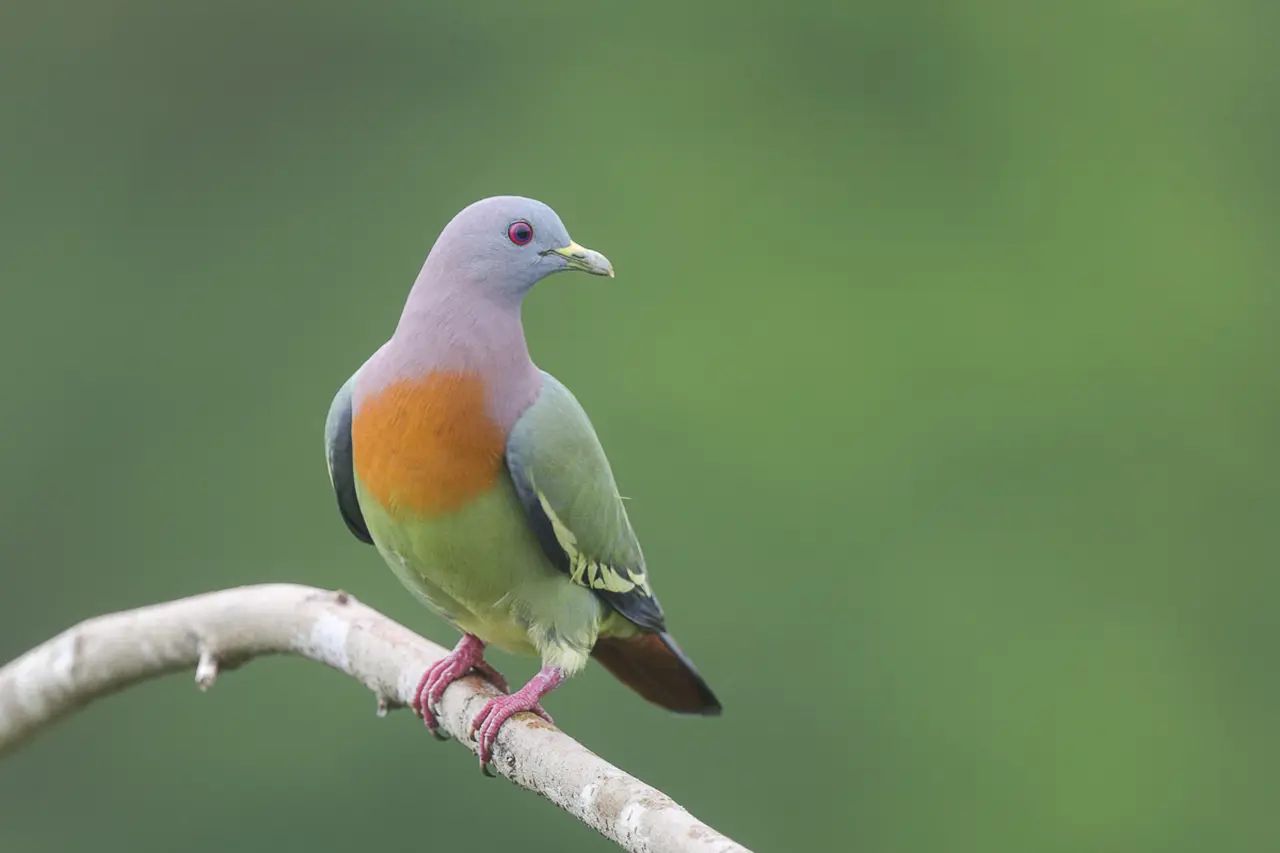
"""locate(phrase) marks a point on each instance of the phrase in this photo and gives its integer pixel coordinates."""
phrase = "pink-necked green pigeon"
(480, 480)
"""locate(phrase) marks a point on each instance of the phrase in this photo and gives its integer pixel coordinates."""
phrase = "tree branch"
(218, 631)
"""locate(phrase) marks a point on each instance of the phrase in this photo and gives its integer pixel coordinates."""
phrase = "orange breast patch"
(427, 445)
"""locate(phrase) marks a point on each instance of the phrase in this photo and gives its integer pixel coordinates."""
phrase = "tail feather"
(653, 666)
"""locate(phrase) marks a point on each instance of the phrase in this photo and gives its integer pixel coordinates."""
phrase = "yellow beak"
(584, 259)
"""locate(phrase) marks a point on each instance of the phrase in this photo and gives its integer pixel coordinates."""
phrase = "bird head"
(507, 244)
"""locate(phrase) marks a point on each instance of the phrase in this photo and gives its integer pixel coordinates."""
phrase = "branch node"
(207, 669)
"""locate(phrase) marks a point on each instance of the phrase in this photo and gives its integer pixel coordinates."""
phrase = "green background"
(940, 369)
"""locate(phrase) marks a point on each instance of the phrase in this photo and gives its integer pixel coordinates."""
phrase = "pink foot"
(497, 711)
(466, 656)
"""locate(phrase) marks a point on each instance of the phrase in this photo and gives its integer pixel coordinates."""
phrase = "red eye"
(520, 232)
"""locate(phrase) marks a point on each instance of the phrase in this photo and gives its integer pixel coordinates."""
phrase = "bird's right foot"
(466, 656)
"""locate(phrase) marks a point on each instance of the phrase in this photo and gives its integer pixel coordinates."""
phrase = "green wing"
(572, 503)
(337, 451)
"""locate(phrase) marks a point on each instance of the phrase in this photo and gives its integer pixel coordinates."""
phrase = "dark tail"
(653, 666)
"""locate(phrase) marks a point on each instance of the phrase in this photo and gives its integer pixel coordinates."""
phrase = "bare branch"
(220, 630)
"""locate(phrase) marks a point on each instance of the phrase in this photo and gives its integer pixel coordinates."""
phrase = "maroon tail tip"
(655, 667)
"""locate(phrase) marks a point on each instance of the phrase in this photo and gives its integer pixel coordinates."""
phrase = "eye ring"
(520, 232)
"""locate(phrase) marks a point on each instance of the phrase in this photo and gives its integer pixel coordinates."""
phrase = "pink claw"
(466, 656)
(498, 710)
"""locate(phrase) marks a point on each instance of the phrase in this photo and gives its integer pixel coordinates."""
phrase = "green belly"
(482, 569)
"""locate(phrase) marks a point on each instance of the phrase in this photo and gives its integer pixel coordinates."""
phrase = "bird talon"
(416, 704)
(468, 655)
(495, 713)
(433, 725)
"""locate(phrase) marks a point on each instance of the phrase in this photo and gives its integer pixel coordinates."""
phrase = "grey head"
(502, 246)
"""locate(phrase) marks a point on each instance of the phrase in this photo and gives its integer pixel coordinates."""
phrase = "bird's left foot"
(497, 711)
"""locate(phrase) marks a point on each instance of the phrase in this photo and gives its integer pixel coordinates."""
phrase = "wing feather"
(572, 503)
(337, 446)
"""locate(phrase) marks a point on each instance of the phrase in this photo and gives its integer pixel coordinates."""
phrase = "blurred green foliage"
(940, 369)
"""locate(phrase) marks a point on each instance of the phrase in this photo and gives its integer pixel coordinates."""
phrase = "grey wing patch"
(337, 442)
(565, 485)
